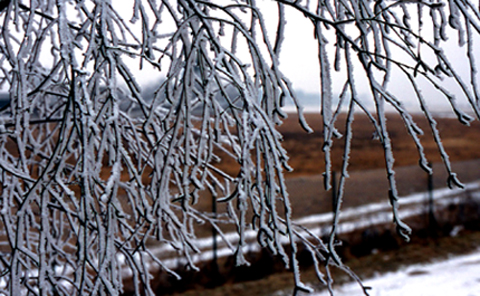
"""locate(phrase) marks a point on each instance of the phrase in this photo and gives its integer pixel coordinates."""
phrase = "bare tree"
(92, 169)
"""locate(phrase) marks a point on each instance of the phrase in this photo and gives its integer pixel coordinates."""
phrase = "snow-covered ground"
(459, 276)
(351, 219)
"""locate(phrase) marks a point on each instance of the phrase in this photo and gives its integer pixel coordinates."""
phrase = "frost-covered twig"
(93, 168)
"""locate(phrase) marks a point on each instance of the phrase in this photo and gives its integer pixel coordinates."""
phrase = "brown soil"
(368, 183)
(306, 156)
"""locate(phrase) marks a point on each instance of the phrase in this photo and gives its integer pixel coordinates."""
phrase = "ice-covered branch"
(95, 168)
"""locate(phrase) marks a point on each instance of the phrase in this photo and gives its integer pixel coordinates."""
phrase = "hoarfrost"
(94, 170)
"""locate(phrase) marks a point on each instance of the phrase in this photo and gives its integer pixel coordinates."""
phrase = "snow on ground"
(351, 219)
(459, 276)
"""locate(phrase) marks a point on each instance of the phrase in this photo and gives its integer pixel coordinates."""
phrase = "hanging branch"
(94, 168)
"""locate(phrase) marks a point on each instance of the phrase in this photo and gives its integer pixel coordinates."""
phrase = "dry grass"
(461, 142)
(306, 156)
(367, 177)
(368, 184)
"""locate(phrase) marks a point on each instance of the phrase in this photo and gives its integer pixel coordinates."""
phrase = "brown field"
(367, 180)
(367, 183)
(306, 156)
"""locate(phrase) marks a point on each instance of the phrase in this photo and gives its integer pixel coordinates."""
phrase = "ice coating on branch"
(93, 168)
(326, 100)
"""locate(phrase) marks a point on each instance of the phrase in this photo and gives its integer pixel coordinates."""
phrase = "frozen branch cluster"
(92, 169)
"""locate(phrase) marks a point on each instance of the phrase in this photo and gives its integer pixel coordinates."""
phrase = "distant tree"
(92, 169)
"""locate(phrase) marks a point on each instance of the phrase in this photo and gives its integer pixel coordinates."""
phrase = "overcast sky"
(299, 58)
(299, 61)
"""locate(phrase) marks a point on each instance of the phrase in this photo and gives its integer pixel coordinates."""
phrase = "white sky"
(299, 60)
